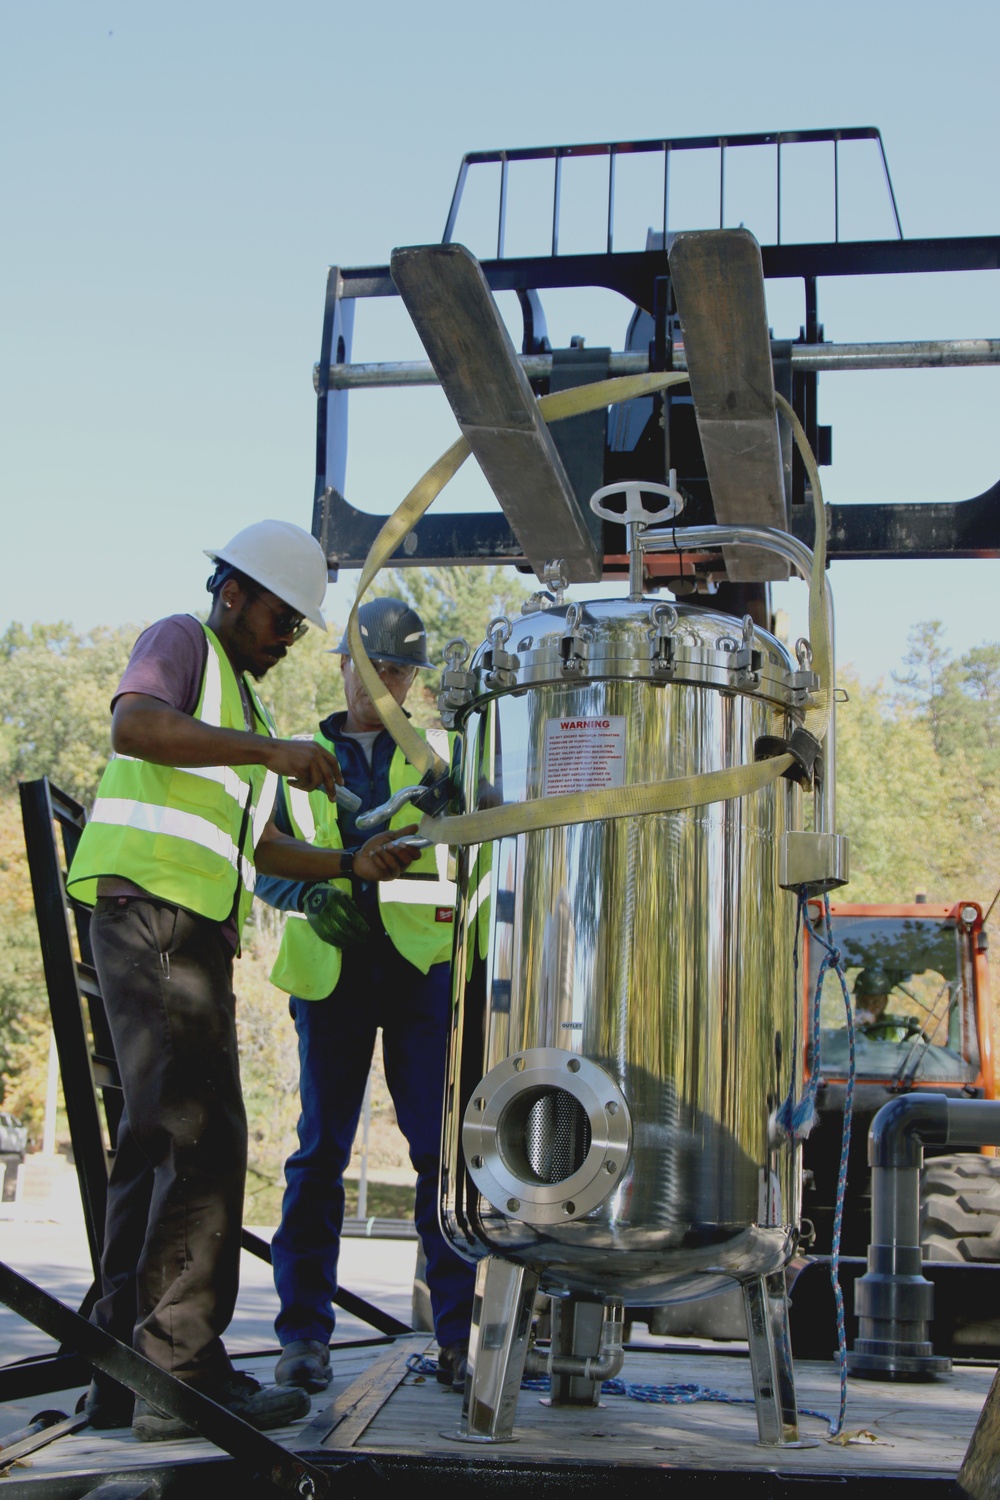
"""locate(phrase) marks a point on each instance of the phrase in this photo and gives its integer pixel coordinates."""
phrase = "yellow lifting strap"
(612, 802)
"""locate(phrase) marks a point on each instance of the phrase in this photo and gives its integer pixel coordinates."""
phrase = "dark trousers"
(170, 1267)
(377, 987)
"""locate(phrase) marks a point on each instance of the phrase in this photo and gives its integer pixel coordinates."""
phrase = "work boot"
(305, 1363)
(453, 1365)
(108, 1404)
(261, 1406)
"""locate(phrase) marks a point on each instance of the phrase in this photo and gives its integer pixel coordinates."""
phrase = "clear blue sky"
(176, 180)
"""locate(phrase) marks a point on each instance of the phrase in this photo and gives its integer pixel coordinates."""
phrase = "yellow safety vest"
(416, 909)
(184, 834)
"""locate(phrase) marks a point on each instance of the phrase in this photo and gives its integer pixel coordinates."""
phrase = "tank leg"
(498, 1347)
(771, 1360)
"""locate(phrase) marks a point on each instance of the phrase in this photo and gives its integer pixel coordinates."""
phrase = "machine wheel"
(960, 1208)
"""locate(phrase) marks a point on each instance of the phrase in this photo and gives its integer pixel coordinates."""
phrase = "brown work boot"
(261, 1406)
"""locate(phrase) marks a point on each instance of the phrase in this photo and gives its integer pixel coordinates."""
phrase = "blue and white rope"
(832, 960)
(678, 1394)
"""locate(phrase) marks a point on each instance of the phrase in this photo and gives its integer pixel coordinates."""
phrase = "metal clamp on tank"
(663, 618)
(804, 681)
(501, 666)
(457, 685)
(573, 645)
(744, 661)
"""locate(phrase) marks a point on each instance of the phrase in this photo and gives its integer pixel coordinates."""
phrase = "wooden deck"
(403, 1424)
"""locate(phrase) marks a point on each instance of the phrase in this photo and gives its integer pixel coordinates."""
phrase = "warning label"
(583, 755)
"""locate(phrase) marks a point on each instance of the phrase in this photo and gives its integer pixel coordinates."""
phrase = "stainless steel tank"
(625, 1012)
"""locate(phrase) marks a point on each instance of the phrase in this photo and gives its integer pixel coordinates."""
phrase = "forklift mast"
(694, 301)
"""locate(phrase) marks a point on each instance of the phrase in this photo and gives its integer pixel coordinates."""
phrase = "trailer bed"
(383, 1422)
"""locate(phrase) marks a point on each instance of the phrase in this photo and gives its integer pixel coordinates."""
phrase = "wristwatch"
(346, 864)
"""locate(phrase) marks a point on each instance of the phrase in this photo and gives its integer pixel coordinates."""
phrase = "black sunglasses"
(286, 621)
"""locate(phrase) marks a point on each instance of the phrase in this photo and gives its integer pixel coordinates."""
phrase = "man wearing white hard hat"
(181, 824)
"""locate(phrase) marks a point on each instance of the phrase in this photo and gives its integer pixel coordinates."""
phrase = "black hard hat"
(874, 981)
(391, 631)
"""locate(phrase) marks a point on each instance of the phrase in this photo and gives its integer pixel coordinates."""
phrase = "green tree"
(977, 708)
(907, 813)
(926, 678)
(23, 997)
(55, 696)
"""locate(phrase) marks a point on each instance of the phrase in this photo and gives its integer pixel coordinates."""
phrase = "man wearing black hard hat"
(358, 955)
(872, 989)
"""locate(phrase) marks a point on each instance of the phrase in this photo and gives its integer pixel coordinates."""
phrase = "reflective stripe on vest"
(414, 908)
(149, 818)
(420, 889)
(423, 889)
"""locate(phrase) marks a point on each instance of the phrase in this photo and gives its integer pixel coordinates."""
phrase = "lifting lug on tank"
(804, 681)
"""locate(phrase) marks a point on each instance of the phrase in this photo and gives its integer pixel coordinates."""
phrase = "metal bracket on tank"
(501, 665)
(663, 623)
(803, 747)
(573, 645)
(818, 861)
(458, 686)
(547, 1136)
(744, 660)
(804, 681)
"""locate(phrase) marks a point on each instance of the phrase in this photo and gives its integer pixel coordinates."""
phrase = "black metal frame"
(612, 150)
(959, 528)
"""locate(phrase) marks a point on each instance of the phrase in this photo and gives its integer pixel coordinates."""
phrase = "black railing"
(612, 150)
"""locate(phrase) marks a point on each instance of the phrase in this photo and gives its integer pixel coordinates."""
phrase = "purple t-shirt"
(168, 662)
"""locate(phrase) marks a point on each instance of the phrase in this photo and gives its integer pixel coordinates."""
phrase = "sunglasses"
(286, 621)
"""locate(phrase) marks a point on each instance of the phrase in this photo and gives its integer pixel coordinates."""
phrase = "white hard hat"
(283, 558)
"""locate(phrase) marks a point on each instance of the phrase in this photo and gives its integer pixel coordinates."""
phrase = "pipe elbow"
(904, 1126)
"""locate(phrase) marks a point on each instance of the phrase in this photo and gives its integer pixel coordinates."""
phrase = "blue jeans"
(377, 987)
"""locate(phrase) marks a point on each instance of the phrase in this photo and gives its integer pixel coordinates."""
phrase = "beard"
(259, 673)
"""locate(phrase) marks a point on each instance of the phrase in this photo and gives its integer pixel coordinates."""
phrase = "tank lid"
(623, 638)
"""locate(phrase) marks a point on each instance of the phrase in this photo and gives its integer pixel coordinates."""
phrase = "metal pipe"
(800, 556)
(893, 1301)
(603, 1366)
(921, 354)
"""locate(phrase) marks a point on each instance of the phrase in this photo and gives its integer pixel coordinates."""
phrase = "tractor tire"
(960, 1208)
